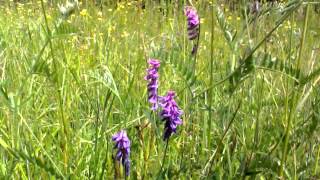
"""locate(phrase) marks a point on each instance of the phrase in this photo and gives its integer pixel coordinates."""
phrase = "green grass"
(251, 107)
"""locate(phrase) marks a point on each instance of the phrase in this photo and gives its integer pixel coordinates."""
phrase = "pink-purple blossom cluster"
(170, 114)
(152, 76)
(193, 22)
(123, 146)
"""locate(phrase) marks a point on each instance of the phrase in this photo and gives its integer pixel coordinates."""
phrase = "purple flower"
(152, 76)
(193, 22)
(123, 145)
(170, 114)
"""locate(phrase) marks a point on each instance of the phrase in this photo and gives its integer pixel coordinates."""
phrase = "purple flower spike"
(123, 145)
(152, 76)
(193, 22)
(170, 114)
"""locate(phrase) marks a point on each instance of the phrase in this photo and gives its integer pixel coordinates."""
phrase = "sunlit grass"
(69, 82)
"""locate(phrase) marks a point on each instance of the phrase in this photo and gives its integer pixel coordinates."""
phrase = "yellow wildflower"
(84, 12)
(99, 14)
(202, 20)
(124, 34)
(74, 39)
(204, 47)
(294, 24)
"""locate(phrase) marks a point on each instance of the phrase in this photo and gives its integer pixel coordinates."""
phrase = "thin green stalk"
(106, 113)
(211, 78)
(152, 141)
(164, 158)
(316, 162)
(305, 28)
(212, 158)
(194, 54)
(96, 141)
(294, 99)
(61, 108)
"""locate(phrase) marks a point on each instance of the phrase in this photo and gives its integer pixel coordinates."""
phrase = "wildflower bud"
(123, 145)
(152, 76)
(193, 22)
(170, 114)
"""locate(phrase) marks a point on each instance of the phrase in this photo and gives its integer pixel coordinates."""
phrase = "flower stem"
(210, 93)
(164, 157)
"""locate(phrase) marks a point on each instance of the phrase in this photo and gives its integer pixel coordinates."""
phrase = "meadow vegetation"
(69, 80)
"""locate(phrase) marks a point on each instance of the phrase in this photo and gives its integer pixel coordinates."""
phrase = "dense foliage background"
(73, 75)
